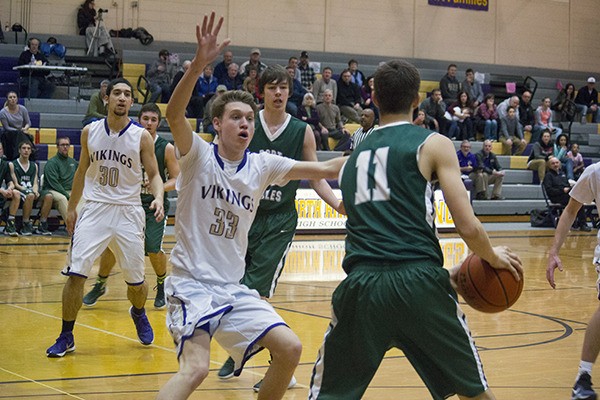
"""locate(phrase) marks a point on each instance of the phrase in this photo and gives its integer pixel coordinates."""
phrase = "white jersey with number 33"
(216, 204)
(115, 172)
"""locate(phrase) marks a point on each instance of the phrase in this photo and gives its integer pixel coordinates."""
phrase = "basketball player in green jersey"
(397, 293)
(273, 230)
(168, 168)
(24, 175)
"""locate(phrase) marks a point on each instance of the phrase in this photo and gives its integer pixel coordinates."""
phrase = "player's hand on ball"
(506, 259)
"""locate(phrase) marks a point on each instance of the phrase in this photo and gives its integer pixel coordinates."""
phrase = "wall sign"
(476, 5)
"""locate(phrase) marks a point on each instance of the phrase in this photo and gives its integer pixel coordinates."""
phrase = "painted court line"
(41, 384)
(91, 327)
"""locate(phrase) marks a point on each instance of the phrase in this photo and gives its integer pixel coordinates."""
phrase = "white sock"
(585, 367)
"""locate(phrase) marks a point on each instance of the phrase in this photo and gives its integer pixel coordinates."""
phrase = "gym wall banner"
(476, 5)
(316, 216)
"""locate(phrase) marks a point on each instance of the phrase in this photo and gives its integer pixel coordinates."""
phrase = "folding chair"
(554, 209)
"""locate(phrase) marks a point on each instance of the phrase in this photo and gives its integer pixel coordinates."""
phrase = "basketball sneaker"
(27, 229)
(64, 344)
(583, 388)
(226, 370)
(142, 326)
(92, 297)
(43, 229)
(159, 301)
(10, 228)
(290, 385)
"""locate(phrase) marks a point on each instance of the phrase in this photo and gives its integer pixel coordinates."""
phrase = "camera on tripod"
(102, 10)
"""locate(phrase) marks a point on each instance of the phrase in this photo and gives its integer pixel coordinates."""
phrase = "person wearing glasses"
(58, 176)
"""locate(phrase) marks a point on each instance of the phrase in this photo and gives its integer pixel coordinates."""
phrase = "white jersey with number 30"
(115, 172)
(216, 204)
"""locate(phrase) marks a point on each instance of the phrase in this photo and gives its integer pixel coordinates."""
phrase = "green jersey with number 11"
(389, 202)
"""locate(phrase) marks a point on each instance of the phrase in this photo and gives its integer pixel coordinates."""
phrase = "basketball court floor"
(530, 351)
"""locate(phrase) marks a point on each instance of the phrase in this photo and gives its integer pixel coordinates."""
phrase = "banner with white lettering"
(476, 5)
(316, 215)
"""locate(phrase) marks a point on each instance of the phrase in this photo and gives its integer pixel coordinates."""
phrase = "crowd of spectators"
(328, 101)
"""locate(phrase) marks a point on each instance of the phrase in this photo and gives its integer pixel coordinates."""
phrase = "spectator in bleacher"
(331, 119)
(179, 74)
(250, 84)
(97, 107)
(308, 113)
(207, 123)
(15, 125)
(307, 73)
(586, 101)
(24, 174)
(577, 160)
(472, 87)
(561, 150)
(232, 80)
(557, 188)
(357, 76)
(34, 84)
(86, 22)
(222, 68)
(367, 124)
(297, 92)
(511, 134)
(254, 61)
(159, 76)
(543, 118)
(490, 172)
(540, 152)
(449, 85)
(58, 176)
(435, 108)
(349, 99)
(324, 83)
(461, 126)
(468, 166)
(525, 113)
(195, 105)
(486, 118)
(502, 108)
(207, 84)
(293, 63)
(365, 91)
(564, 104)
(422, 121)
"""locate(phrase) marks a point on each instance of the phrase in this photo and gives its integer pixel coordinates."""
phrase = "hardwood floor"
(529, 351)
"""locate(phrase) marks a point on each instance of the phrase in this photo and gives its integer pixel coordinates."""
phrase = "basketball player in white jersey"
(109, 177)
(219, 189)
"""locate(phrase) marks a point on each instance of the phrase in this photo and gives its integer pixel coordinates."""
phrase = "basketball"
(487, 289)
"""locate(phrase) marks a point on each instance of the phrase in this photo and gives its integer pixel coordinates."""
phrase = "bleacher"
(521, 189)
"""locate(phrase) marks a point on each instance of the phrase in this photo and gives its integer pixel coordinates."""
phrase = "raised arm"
(207, 51)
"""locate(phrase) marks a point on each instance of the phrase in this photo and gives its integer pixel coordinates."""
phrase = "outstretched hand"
(553, 263)
(208, 48)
